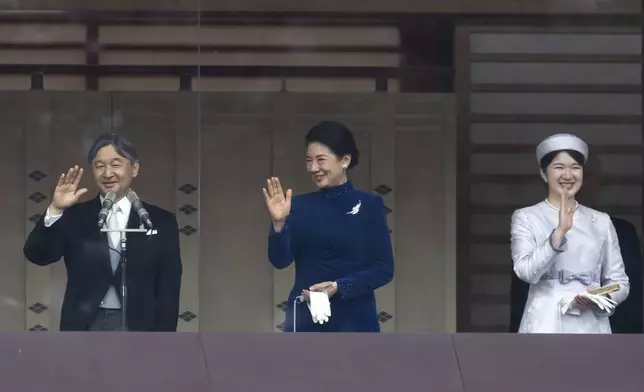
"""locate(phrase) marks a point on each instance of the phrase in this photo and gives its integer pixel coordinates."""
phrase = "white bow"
(319, 306)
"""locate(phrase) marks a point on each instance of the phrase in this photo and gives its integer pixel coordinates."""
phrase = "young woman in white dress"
(563, 248)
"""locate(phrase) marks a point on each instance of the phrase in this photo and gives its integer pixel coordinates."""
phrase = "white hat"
(562, 141)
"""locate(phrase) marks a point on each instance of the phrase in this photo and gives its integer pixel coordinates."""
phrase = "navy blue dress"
(337, 234)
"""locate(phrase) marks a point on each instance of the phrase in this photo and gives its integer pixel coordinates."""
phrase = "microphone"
(138, 206)
(106, 207)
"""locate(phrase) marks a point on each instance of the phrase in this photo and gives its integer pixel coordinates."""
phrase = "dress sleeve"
(613, 271)
(381, 267)
(280, 253)
(531, 258)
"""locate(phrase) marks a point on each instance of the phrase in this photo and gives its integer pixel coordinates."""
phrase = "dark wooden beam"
(557, 88)
(556, 58)
(252, 48)
(425, 42)
(185, 82)
(37, 81)
(205, 18)
(556, 118)
(43, 46)
(303, 18)
(382, 84)
(528, 7)
(378, 73)
(463, 182)
(519, 179)
(526, 148)
(204, 70)
(91, 55)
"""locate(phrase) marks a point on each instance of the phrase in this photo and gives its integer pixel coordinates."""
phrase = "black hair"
(549, 157)
(337, 137)
(121, 144)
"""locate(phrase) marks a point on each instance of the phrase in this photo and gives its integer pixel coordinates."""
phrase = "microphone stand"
(123, 264)
(298, 300)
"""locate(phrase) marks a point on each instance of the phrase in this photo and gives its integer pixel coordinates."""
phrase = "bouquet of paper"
(319, 306)
(597, 296)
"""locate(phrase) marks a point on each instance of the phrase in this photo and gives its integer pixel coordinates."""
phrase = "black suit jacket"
(628, 315)
(153, 266)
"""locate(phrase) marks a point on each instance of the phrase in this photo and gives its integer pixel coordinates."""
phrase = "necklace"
(557, 209)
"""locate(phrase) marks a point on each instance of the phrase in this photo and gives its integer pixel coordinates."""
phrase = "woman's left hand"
(330, 288)
(585, 302)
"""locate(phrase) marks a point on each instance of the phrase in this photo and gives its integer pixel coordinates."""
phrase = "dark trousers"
(106, 320)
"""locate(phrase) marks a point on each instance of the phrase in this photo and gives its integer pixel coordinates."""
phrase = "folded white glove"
(319, 306)
(603, 303)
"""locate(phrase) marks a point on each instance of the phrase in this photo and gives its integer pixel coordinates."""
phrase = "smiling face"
(563, 174)
(113, 172)
(326, 168)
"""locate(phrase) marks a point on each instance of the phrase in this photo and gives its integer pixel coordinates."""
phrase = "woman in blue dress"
(337, 237)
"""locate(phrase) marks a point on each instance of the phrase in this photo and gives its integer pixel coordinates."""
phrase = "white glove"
(319, 306)
(569, 305)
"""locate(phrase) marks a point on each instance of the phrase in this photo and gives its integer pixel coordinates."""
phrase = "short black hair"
(549, 157)
(337, 137)
(123, 146)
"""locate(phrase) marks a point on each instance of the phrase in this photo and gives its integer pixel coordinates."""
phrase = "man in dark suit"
(69, 230)
(628, 317)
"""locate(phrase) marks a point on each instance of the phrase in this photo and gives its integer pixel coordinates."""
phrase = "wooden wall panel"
(235, 277)
(15, 82)
(528, 135)
(39, 287)
(526, 163)
(232, 84)
(424, 219)
(63, 83)
(556, 73)
(555, 42)
(41, 56)
(12, 213)
(555, 103)
(330, 85)
(42, 33)
(136, 84)
(517, 85)
(187, 172)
